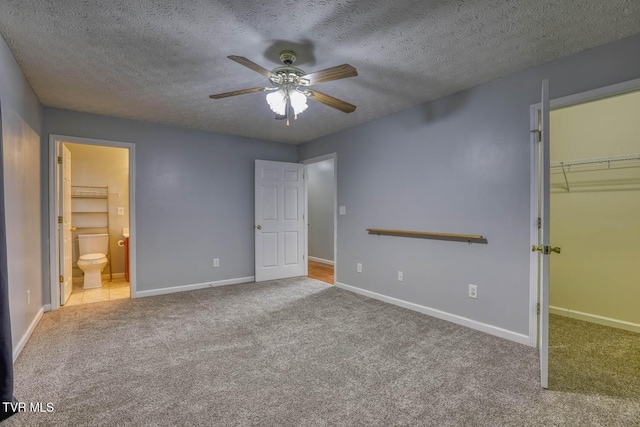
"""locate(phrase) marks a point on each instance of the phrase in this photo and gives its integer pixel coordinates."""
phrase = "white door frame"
(306, 163)
(54, 266)
(567, 101)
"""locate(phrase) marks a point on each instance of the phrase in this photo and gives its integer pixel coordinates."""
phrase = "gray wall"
(194, 195)
(21, 124)
(459, 164)
(320, 192)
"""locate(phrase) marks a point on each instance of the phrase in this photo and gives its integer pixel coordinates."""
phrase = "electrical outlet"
(400, 276)
(473, 291)
(120, 211)
(359, 267)
(216, 262)
(28, 297)
(342, 210)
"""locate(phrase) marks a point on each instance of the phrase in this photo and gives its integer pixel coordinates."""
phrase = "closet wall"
(596, 221)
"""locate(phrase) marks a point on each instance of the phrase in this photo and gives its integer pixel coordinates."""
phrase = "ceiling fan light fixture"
(277, 102)
(288, 94)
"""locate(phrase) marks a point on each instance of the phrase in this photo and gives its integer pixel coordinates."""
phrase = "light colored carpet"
(294, 352)
(593, 359)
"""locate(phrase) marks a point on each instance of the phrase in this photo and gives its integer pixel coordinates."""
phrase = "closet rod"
(612, 159)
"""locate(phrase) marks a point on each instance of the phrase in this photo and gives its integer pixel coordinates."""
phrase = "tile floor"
(117, 289)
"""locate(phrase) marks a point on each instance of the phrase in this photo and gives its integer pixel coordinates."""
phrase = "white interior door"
(64, 197)
(279, 220)
(543, 236)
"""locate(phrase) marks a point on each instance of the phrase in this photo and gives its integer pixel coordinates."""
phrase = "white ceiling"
(158, 60)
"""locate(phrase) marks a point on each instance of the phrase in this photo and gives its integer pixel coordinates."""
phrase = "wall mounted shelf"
(90, 212)
(601, 163)
(469, 238)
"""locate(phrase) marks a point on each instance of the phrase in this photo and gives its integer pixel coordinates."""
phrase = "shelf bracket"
(566, 181)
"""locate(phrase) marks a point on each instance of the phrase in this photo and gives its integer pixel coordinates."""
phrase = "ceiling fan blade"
(250, 64)
(330, 101)
(237, 92)
(334, 73)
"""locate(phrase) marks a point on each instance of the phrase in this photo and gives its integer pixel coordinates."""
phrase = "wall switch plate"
(216, 262)
(400, 276)
(359, 267)
(120, 211)
(343, 210)
(28, 297)
(473, 291)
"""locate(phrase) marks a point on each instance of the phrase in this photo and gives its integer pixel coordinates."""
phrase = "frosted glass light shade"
(277, 102)
(298, 102)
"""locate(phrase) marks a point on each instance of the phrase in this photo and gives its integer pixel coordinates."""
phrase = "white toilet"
(93, 258)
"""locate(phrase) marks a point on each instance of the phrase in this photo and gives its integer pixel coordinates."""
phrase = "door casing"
(307, 162)
(54, 264)
(567, 101)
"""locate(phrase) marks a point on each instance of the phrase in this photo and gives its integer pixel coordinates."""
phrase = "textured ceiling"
(158, 60)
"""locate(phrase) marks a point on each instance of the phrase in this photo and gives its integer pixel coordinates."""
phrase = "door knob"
(545, 249)
(259, 227)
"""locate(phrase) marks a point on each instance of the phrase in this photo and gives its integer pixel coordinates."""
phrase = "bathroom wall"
(320, 185)
(596, 222)
(99, 166)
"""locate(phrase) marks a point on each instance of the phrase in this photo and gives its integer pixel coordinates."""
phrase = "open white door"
(64, 197)
(543, 235)
(279, 220)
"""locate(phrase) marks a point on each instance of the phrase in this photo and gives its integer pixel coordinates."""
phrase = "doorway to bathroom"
(321, 219)
(92, 227)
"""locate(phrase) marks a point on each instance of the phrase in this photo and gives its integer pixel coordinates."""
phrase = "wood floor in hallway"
(321, 271)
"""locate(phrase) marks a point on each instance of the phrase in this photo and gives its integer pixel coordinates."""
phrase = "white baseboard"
(594, 318)
(479, 326)
(25, 337)
(47, 307)
(324, 261)
(184, 288)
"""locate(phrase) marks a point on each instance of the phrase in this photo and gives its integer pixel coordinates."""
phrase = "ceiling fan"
(290, 86)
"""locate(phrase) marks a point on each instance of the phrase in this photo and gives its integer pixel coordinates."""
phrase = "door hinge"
(537, 132)
(61, 279)
(59, 220)
(538, 309)
(59, 160)
(539, 223)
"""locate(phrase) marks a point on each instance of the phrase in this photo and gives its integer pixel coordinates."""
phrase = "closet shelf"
(600, 163)
(469, 238)
(600, 160)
